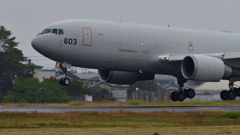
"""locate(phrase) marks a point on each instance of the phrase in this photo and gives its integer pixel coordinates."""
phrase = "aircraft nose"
(38, 43)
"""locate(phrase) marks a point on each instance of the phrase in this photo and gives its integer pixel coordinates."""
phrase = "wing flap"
(231, 55)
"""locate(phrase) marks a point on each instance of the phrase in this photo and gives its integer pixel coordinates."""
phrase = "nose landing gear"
(63, 81)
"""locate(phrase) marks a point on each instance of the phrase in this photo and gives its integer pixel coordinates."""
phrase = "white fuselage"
(129, 47)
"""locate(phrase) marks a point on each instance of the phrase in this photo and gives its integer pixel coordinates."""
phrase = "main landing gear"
(63, 81)
(182, 94)
(231, 94)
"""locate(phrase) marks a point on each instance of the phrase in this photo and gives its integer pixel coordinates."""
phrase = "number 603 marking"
(70, 41)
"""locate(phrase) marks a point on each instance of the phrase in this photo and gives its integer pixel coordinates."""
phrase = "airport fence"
(104, 93)
(149, 96)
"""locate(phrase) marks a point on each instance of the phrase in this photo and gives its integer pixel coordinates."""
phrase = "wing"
(206, 67)
(176, 59)
(232, 59)
(229, 58)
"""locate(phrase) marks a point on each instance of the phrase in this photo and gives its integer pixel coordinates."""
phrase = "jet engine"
(123, 77)
(207, 69)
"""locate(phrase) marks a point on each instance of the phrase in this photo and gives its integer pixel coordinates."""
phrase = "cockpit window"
(46, 31)
(55, 31)
(61, 32)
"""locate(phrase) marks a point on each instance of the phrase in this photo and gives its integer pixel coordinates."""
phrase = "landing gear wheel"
(61, 82)
(237, 91)
(224, 95)
(174, 96)
(231, 95)
(186, 92)
(181, 96)
(190, 93)
(66, 81)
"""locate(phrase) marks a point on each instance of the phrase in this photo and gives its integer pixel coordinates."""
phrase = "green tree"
(96, 90)
(75, 89)
(51, 79)
(32, 91)
(11, 60)
(26, 90)
(145, 85)
(50, 92)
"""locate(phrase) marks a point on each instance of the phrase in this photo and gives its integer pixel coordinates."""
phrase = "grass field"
(117, 119)
(147, 130)
(120, 123)
(129, 103)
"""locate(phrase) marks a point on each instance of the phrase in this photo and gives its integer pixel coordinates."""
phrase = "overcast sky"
(26, 18)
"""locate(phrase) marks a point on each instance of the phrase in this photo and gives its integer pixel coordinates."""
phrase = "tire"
(237, 90)
(66, 81)
(224, 95)
(61, 82)
(174, 96)
(186, 92)
(231, 95)
(191, 93)
(181, 96)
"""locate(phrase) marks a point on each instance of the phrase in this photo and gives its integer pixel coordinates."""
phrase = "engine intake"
(123, 77)
(203, 68)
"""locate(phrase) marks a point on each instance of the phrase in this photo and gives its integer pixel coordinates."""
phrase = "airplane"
(125, 53)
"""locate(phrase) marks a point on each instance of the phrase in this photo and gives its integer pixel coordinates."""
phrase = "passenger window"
(46, 31)
(55, 31)
(61, 32)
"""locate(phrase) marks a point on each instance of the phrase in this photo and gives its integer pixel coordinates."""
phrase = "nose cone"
(38, 43)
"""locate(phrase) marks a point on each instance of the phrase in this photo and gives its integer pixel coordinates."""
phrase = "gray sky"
(26, 18)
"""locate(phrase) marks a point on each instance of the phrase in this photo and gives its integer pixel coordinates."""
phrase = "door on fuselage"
(87, 36)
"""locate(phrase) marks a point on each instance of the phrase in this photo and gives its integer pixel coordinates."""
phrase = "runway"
(123, 108)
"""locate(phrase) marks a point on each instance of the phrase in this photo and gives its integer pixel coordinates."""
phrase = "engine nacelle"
(204, 68)
(123, 77)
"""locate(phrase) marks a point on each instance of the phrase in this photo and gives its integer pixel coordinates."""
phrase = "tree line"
(30, 90)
